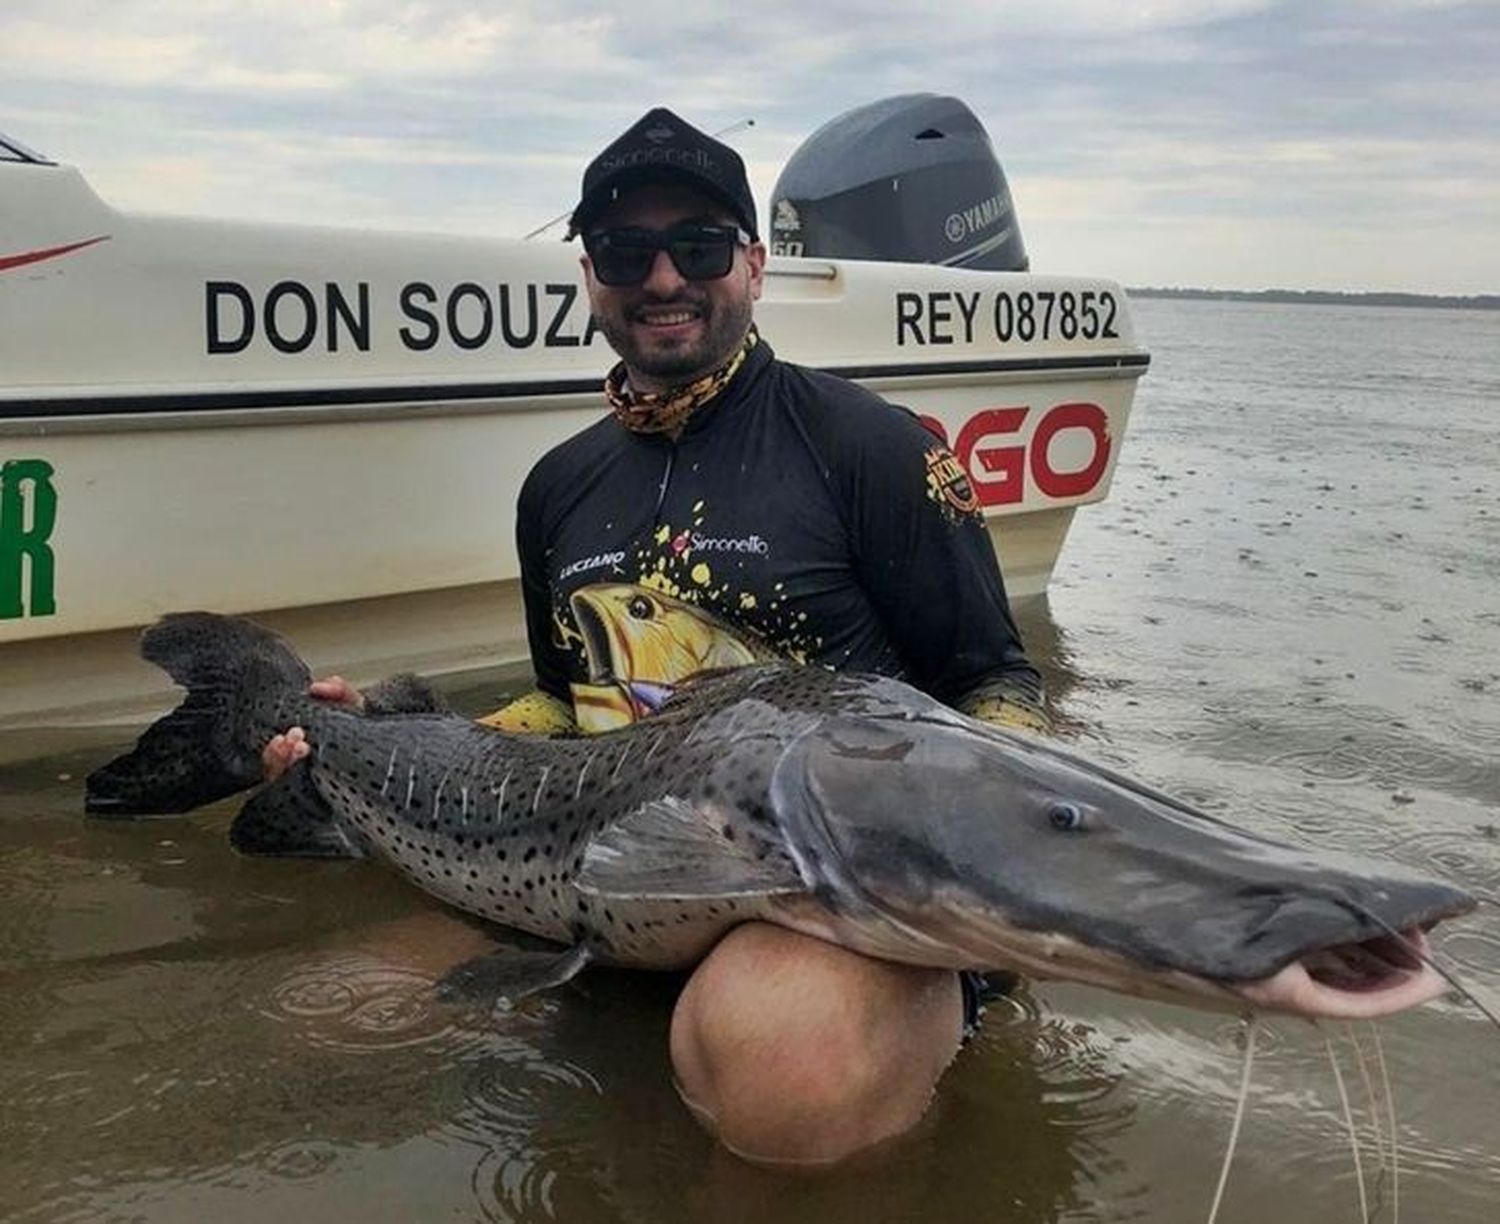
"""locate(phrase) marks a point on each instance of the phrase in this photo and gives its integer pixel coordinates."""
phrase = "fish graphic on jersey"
(641, 644)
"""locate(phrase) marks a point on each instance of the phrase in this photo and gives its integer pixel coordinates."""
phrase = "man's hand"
(1007, 708)
(337, 690)
(285, 750)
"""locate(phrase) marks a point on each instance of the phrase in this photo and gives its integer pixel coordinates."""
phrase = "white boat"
(326, 427)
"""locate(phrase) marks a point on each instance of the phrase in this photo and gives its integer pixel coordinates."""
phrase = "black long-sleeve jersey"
(796, 505)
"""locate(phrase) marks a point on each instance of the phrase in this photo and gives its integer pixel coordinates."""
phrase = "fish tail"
(238, 676)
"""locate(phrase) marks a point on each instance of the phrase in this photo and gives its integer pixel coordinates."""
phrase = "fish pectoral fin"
(670, 848)
(290, 817)
(511, 975)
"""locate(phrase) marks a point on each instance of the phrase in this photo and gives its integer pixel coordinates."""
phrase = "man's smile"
(668, 321)
(666, 318)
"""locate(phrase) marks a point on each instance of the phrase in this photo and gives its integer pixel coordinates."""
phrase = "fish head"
(636, 635)
(1002, 851)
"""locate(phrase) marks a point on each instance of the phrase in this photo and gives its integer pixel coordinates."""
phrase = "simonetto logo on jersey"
(609, 560)
(696, 541)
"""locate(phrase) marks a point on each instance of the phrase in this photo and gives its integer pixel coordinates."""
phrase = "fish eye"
(1065, 817)
(639, 607)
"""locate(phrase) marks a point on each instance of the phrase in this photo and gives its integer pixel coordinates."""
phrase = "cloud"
(1196, 127)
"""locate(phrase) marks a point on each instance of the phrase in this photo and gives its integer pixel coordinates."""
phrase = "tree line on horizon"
(1327, 297)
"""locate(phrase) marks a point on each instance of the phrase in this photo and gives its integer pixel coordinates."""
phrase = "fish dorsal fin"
(670, 848)
(405, 693)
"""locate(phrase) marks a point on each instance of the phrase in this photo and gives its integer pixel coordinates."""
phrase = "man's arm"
(1007, 706)
(926, 563)
(547, 709)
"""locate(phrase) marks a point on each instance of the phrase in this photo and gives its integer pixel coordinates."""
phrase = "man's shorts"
(978, 989)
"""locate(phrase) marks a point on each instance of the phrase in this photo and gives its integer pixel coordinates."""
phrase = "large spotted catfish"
(852, 808)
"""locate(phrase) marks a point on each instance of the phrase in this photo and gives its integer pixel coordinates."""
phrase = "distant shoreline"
(1326, 297)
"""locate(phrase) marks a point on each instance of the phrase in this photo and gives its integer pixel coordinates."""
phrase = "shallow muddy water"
(1287, 612)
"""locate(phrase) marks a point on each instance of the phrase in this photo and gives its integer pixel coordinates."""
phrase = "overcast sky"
(1351, 144)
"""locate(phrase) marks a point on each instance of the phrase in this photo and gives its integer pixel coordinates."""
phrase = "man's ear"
(755, 261)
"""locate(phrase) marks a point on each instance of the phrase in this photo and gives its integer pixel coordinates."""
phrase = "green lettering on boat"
(26, 485)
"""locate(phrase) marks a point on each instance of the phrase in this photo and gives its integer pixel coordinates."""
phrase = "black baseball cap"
(660, 147)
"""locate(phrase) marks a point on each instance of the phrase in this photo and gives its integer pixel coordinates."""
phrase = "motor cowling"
(912, 178)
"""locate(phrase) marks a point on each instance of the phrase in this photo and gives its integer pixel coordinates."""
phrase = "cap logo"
(661, 145)
(686, 158)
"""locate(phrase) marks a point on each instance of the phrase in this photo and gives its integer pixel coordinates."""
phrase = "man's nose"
(664, 278)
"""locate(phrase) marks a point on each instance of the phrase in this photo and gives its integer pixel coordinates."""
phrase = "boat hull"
(327, 428)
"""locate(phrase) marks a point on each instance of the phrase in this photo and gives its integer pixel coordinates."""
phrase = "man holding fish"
(813, 518)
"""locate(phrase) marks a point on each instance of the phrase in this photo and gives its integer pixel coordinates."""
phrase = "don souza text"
(292, 317)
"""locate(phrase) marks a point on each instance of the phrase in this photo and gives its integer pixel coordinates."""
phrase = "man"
(801, 510)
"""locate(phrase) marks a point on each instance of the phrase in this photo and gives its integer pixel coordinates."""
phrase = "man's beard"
(724, 327)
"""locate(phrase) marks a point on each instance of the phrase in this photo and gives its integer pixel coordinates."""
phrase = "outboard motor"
(913, 179)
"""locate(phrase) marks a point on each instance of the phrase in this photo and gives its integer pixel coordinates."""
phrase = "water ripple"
(1471, 952)
(513, 1096)
(1463, 856)
(356, 1003)
(298, 1159)
(512, 1184)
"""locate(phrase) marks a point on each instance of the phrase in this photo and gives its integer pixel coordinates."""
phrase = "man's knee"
(790, 1049)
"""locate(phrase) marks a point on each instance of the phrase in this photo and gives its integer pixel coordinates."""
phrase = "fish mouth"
(598, 646)
(1348, 975)
(1357, 980)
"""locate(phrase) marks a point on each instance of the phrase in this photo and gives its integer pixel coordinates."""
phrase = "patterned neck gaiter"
(666, 412)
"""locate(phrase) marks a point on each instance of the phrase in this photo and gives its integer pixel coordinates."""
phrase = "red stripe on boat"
(31, 257)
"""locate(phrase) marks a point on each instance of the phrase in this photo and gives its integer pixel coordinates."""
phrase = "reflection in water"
(1284, 613)
(594, 1129)
(202, 1080)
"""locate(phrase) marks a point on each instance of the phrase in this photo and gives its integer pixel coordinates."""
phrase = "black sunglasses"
(699, 252)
